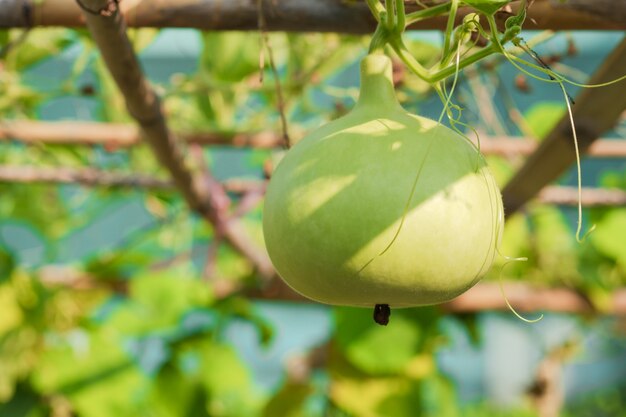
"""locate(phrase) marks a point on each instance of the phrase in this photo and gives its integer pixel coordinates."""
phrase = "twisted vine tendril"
(459, 51)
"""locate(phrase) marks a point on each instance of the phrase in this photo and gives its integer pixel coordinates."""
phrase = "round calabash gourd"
(382, 207)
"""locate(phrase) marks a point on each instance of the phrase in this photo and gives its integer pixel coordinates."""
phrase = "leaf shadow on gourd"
(350, 190)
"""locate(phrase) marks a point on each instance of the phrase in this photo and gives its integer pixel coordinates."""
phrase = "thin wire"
(265, 42)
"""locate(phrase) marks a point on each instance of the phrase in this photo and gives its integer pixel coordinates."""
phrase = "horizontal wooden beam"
(591, 197)
(596, 111)
(526, 298)
(510, 146)
(90, 177)
(485, 296)
(118, 136)
(295, 15)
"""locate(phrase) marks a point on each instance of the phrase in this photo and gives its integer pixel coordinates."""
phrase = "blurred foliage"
(135, 325)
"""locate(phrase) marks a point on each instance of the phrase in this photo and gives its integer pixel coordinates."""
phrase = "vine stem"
(554, 77)
(400, 16)
(390, 14)
(376, 8)
(390, 32)
(427, 13)
(400, 49)
(434, 77)
(454, 5)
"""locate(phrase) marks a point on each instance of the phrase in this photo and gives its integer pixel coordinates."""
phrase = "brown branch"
(202, 194)
(113, 136)
(297, 15)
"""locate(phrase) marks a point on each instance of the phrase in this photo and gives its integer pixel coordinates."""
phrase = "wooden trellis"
(350, 16)
(107, 24)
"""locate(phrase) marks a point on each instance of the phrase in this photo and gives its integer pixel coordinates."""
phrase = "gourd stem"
(377, 90)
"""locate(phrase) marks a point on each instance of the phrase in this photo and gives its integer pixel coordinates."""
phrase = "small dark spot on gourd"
(381, 314)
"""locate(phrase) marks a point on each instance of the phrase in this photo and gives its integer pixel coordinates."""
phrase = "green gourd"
(382, 207)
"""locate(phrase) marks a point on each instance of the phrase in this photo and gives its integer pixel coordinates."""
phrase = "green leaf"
(4, 38)
(243, 308)
(231, 265)
(228, 381)
(515, 244)
(614, 179)
(11, 316)
(112, 104)
(516, 20)
(7, 265)
(378, 397)
(176, 394)
(543, 117)
(372, 348)
(159, 300)
(555, 243)
(19, 349)
(25, 403)
(486, 6)
(94, 373)
(142, 38)
(289, 401)
(608, 238)
(39, 44)
(230, 56)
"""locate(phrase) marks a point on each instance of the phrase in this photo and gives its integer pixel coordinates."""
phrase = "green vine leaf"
(289, 401)
(7, 264)
(608, 238)
(486, 6)
(230, 56)
(374, 349)
(516, 20)
(543, 116)
(37, 45)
